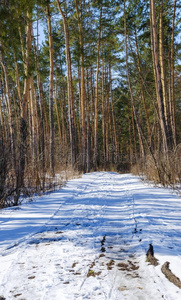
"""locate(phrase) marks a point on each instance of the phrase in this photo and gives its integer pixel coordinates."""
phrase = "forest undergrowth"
(164, 171)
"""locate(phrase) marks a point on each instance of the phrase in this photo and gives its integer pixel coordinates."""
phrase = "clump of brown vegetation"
(161, 168)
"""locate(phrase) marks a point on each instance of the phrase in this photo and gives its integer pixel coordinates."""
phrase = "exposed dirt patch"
(110, 264)
(123, 267)
(122, 288)
(92, 265)
(130, 266)
(133, 266)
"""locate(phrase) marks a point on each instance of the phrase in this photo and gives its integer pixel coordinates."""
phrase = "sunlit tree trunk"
(158, 83)
(17, 77)
(103, 117)
(113, 119)
(34, 122)
(107, 120)
(142, 89)
(172, 102)
(52, 163)
(9, 111)
(88, 124)
(163, 77)
(23, 109)
(42, 129)
(83, 125)
(69, 87)
(57, 112)
(142, 151)
(96, 96)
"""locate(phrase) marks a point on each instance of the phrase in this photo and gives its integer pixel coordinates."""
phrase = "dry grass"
(161, 168)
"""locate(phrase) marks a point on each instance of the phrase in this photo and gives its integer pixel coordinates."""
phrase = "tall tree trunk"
(69, 87)
(158, 83)
(88, 125)
(172, 102)
(107, 123)
(80, 26)
(34, 122)
(42, 130)
(57, 112)
(96, 97)
(142, 89)
(113, 118)
(92, 106)
(9, 111)
(130, 144)
(23, 110)
(2, 118)
(163, 78)
(130, 90)
(62, 104)
(52, 160)
(17, 76)
(103, 116)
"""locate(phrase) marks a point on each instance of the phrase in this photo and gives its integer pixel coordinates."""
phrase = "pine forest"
(88, 85)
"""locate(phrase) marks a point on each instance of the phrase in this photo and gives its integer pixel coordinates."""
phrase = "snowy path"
(88, 241)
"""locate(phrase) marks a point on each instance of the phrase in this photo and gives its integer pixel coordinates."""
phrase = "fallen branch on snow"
(169, 275)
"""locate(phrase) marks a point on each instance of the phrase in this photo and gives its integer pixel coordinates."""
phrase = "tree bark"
(103, 117)
(9, 111)
(83, 125)
(41, 100)
(163, 78)
(96, 97)
(142, 89)
(172, 102)
(114, 120)
(142, 151)
(158, 83)
(52, 161)
(69, 87)
(23, 110)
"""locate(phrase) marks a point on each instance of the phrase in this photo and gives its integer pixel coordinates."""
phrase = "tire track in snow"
(43, 227)
(136, 233)
(108, 293)
(90, 204)
(99, 214)
(26, 241)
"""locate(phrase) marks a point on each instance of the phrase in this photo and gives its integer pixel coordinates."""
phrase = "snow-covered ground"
(89, 241)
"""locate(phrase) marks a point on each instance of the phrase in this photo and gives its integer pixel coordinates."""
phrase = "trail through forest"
(89, 241)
